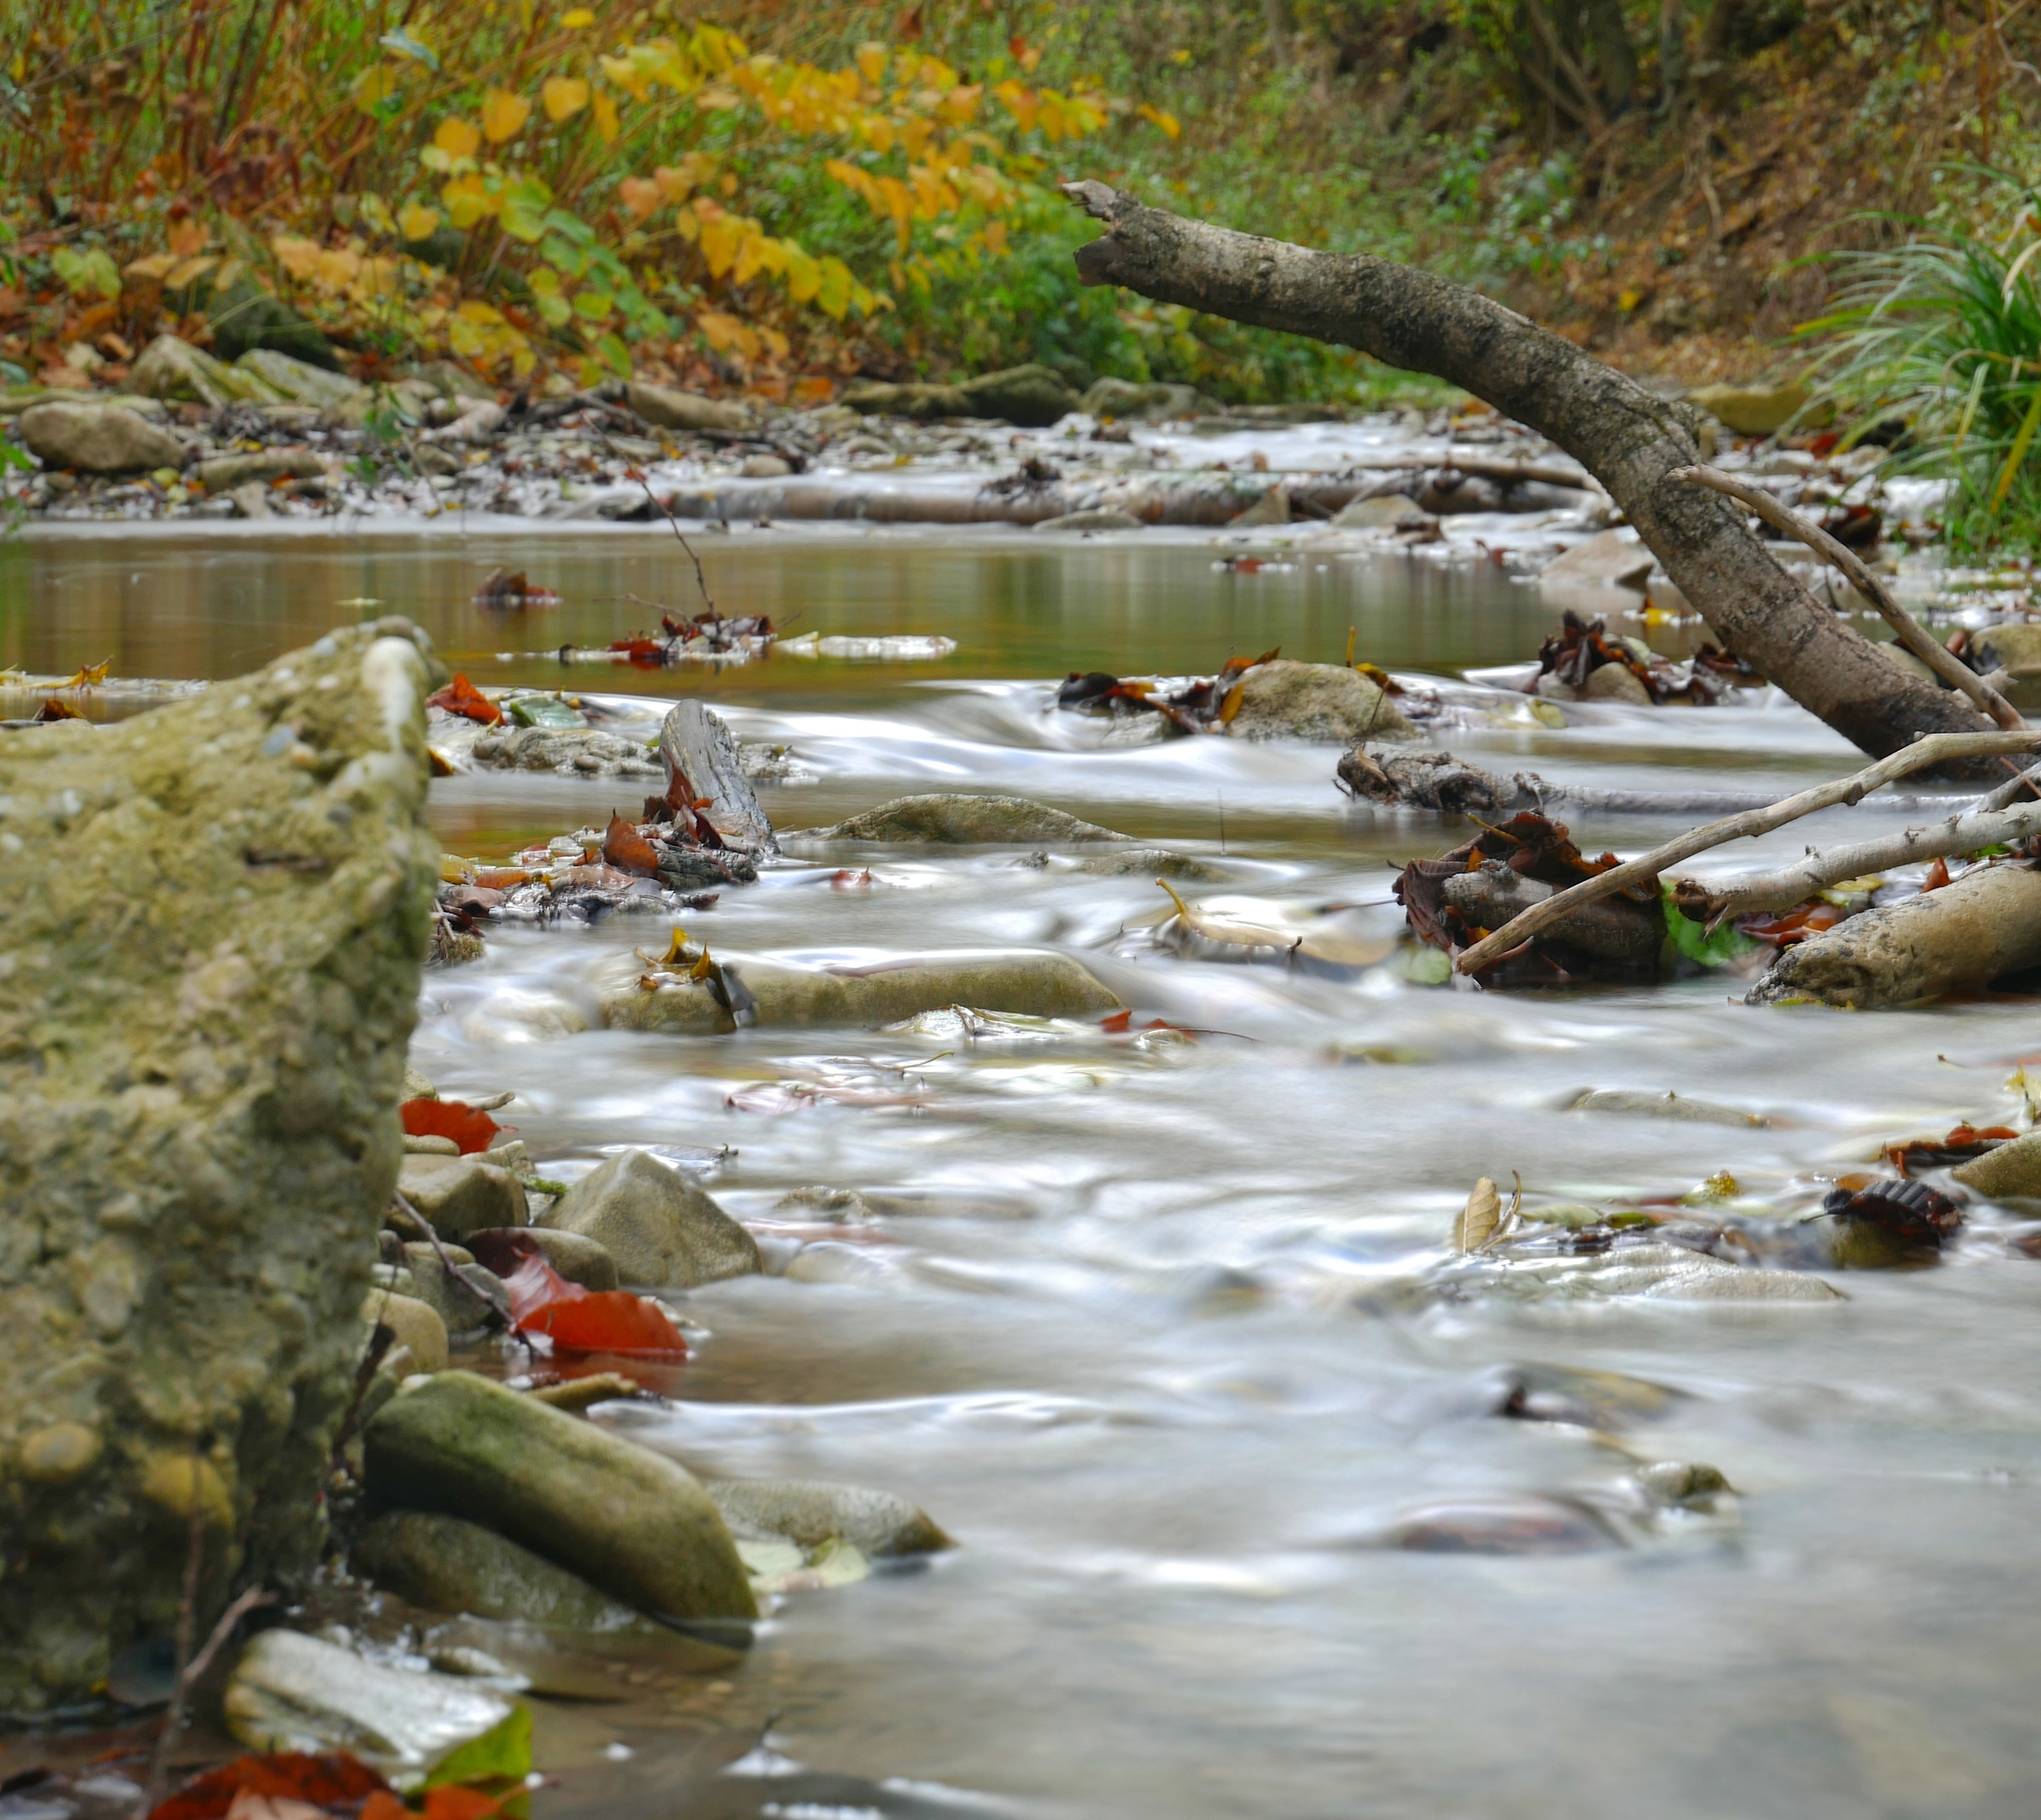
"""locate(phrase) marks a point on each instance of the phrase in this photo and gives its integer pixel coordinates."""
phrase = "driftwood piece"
(1933, 748)
(1830, 866)
(1632, 441)
(1910, 632)
(696, 745)
(1987, 924)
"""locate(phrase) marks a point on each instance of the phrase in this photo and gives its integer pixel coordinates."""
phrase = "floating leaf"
(471, 1129)
(1478, 1221)
(338, 1779)
(627, 850)
(502, 1754)
(460, 696)
(1694, 940)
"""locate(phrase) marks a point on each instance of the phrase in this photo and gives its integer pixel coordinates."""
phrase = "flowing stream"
(1141, 1319)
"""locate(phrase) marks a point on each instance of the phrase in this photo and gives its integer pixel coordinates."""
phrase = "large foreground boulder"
(209, 960)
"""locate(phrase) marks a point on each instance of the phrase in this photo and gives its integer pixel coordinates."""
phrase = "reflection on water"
(1143, 1339)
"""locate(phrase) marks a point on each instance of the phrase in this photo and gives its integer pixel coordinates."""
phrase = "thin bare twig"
(1820, 869)
(673, 524)
(1932, 749)
(1910, 632)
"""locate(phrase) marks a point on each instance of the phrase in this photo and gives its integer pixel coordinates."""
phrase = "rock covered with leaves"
(208, 972)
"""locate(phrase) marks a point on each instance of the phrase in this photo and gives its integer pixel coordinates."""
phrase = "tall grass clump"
(1942, 331)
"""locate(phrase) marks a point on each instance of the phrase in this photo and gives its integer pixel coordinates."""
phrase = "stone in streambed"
(2011, 1172)
(1032, 396)
(1750, 410)
(961, 820)
(668, 408)
(209, 966)
(460, 1195)
(659, 1228)
(1607, 559)
(224, 473)
(886, 992)
(416, 1324)
(172, 368)
(97, 438)
(289, 1692)
(449, 1293)
(1643, 1102)
(565, 751)
(444, 1563)
(626, 1518)
(1098, 518)
(809, 1512)
(1131, 402)
(1326, 702)
(1152, 862)
(1615, 682)
(1376, 512)
(576, 1257)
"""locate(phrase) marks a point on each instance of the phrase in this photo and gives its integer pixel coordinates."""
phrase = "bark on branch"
(1931, 749)
(1629, 440)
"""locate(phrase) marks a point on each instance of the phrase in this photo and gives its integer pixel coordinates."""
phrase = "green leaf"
(594, 305)
(405, 45)
(503, 1754)
(615, 355)
(554, 309)
(1693, 940)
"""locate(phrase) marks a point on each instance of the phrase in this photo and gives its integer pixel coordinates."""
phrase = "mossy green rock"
(808, 1511)
(623, 1517)
(209, 964)
(441, 1563)
(1326, 702)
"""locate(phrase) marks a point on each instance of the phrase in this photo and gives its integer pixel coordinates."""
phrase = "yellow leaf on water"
(564, 97)
(1480, 1218)
(458, 138)
(607, 126)
(503, 115)
(415, 222)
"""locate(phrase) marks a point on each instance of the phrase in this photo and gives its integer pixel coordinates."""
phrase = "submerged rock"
(1326, 702)
(659, 1228)
(1526, 1523)
(779, 995)
(443, 1563)
(1643, 1103)
(964, 821)
(289, 1692)
(630, 1521)
(97, 438)
(209, 966)
(809, 1512)
(1651, 1271)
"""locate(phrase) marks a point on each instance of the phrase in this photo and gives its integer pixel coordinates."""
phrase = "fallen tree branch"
(1931, 749)
(1631, 440)
(1819, 870)
(1911, 633)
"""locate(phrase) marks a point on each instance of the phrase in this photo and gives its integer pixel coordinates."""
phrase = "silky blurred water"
(1129, 1323)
